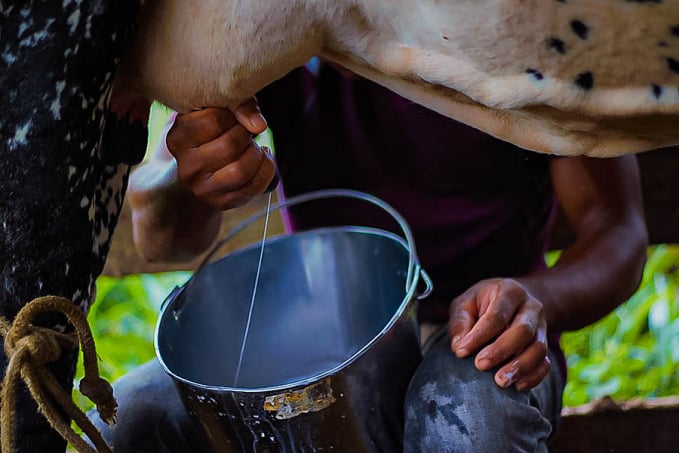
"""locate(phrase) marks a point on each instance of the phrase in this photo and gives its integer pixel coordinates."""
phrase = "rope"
(29, 348)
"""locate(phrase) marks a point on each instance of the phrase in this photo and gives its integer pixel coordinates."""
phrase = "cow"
(592, 77)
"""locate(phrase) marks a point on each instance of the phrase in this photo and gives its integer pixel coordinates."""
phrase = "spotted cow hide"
(570, 77)
(60, 189)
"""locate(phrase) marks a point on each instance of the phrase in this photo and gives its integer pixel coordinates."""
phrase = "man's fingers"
(210, 157)
(489, 325)
(462, 317)
(196, 128)
(237, 173)
(528, 367)
(498, 304)
(534, 378)
(521, 332)
(239, 182)
(500, 316)
(249, 115)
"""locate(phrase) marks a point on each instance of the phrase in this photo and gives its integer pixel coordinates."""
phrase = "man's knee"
(151, 416)
(451, 406)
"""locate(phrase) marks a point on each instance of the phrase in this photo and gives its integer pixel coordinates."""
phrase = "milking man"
(481, 210)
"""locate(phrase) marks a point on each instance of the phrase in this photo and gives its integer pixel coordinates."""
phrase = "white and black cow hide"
(60, 191)
(569, 77)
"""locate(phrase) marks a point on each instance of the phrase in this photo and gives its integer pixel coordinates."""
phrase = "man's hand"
(217, 158)
(498, 318)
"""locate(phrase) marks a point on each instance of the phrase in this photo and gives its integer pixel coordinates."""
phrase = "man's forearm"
(591, 278)
(170, 224)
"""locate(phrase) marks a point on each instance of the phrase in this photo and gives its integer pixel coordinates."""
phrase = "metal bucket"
(332, 344)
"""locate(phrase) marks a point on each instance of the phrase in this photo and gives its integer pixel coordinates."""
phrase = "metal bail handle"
(413, 265)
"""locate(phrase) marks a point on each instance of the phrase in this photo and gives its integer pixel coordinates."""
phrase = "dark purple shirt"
(478, 207)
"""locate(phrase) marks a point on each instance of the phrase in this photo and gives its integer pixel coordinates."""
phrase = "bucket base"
(358, 410)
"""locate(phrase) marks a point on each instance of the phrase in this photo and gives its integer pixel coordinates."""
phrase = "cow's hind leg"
(59, 199)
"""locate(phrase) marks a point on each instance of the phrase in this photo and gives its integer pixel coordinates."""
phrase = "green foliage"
(633, 352)
(123, 320)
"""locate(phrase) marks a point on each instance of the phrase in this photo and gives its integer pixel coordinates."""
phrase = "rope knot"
(29, 348)
(42, 344)
(99, 391)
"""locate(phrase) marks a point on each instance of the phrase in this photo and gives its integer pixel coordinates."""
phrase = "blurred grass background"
(634, 351)
(631, 353)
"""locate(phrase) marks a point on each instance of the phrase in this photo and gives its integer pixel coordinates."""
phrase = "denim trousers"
(450, 406)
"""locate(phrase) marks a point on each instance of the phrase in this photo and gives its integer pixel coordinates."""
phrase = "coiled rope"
(29, 348)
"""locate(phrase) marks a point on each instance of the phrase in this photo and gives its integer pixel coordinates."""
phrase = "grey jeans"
(450, 406)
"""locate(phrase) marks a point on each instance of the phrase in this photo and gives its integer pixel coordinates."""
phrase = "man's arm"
(506, 320)
(208, 163)
(602, 201)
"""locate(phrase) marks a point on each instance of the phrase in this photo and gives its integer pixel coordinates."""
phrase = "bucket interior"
(322, 296)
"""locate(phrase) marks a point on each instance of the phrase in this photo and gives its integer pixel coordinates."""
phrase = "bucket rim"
(325, 194)
(408, 299)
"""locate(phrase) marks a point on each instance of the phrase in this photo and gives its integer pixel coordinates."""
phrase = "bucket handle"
(413, 265)
(429, 285)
